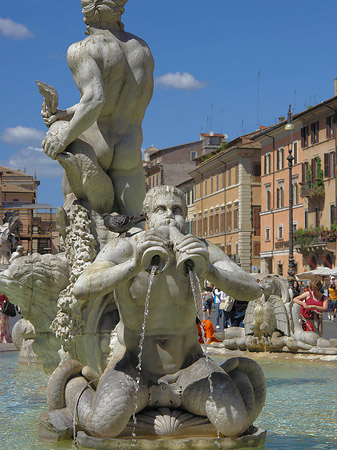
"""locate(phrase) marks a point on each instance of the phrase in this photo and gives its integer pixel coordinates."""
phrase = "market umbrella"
(320, 272)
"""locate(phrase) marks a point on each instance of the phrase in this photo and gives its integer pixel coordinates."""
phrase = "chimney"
(335, 86)
(281, 119)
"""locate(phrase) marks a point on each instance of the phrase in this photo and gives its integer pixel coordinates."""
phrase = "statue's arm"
(88, 78)
(117, 263)
(113, 266)
(229, 277)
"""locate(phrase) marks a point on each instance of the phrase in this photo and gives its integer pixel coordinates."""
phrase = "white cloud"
(14, 30)
(22, 135)
(33, 158)
(179, 80)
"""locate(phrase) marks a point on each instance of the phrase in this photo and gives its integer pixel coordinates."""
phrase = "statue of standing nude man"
(98, 140)
(174, 372)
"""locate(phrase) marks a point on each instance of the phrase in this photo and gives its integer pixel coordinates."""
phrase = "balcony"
(313, 190)
(315, 240)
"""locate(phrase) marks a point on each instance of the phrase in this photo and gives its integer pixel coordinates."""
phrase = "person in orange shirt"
(209, 331)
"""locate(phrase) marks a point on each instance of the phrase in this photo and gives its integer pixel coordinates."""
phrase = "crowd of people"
(229, 311)
(314, 299)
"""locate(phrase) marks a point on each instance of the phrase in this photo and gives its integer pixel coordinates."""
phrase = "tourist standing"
(218, 296)
(333, 294)
(5, 335)
(208, 301)
(238, 313)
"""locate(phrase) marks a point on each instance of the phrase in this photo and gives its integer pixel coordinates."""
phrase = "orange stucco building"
(313, 146)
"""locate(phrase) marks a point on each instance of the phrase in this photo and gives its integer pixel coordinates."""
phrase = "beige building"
(227, 199)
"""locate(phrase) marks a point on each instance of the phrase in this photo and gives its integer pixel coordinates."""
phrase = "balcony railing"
(314, 237)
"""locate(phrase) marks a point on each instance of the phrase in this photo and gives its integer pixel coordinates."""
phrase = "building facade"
(37, 225)
(227, 193)
(172, 165)
(313, 147)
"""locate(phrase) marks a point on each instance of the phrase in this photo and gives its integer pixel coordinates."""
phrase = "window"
(223, 179)
(329, 164)
(316, 217)
(200, 189)
(295, 152)
(211, 185)
(236, 216)
(267, 161)
(237, 174)
(332, 214)
(257, 248)
(295, 226)
(205, 187)
(314, 166)
(305, 168)
(229, 177)
(256, 220)
(217, 182)
(306, 219)
(222, 219)
(330, 126)
(211, 222)
(280, 268)
(237, 249)
(267, 234)
(280, 232)
(314, 132)
(280, 156)
(256, 169)
(199, 225)
(193, 155)
(280, 195)
(295, 191)
(216, 221)
(268, 197)
(205, 224)
(229, 218)
(304, 136)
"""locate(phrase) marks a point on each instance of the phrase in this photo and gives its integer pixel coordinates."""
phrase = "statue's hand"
(49, 119)
(53, 144)
(190, 245)
(149, 239)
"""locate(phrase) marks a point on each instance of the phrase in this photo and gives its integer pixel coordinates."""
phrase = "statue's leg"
(118, 396)
(127, 174)
(214, 394)
(103, 412)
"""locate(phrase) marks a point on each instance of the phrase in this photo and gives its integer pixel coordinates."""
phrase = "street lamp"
(291, 266)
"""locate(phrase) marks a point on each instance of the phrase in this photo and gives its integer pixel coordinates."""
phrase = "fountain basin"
(253, 440)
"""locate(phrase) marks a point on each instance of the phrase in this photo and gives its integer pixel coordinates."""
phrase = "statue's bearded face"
(167, 210)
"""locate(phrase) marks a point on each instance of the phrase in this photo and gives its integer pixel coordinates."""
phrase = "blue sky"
(207, 56)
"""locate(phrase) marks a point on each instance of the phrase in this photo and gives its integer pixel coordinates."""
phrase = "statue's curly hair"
(102, 10)
(160, 190)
